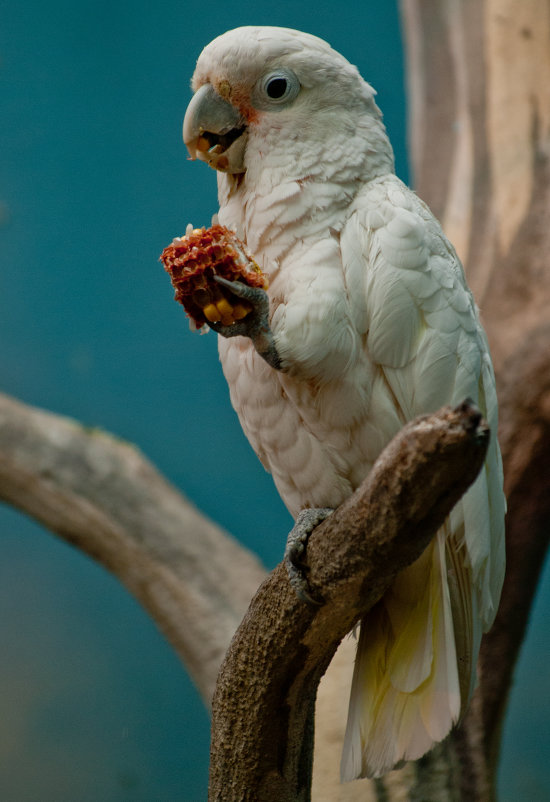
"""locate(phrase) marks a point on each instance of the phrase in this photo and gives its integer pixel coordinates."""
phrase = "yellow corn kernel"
(211, 313)
(224, 308)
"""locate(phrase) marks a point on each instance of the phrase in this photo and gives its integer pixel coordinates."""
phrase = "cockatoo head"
(279, 99)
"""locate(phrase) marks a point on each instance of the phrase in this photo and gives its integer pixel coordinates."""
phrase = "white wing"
(421, 329)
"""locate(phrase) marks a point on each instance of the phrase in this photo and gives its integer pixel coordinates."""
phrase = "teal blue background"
(94, 181)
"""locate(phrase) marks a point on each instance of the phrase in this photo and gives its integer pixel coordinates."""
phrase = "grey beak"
(214, 131)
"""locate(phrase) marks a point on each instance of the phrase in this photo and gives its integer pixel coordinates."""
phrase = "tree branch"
(263, 707)
(102, 496)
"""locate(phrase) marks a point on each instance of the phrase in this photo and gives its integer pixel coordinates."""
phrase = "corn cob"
(194, 259)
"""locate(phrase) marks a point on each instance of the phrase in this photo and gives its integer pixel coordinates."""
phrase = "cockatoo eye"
(278, 88)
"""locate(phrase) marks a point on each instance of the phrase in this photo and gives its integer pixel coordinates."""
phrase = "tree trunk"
(478, 78)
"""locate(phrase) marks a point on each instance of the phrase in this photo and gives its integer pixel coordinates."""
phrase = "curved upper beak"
(214, 131)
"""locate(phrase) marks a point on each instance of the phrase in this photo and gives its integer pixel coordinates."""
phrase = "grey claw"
(255, 325)
(234, 330)
(255, 295)
(295, 552)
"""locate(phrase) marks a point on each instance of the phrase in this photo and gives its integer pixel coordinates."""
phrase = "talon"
(236, 287)
(251, 320)
(296, 546)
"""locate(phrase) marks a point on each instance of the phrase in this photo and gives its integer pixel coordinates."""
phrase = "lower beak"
(214, 131)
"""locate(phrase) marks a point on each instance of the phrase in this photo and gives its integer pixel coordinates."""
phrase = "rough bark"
(264, 704)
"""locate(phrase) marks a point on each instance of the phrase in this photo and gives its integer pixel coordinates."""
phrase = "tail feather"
(410, 652)
(464, 605)
(405, 693)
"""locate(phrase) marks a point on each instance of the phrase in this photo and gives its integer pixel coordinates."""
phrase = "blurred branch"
(102, 496)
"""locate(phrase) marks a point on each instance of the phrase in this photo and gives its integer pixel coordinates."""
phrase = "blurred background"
(94, 182)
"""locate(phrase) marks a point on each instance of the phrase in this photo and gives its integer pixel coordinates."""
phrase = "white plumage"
(374, 324)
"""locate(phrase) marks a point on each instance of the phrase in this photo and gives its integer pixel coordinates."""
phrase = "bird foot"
(256, 323)
(295, 551)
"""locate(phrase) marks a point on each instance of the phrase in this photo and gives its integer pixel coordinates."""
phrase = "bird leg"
(256, 323)
(295, 551)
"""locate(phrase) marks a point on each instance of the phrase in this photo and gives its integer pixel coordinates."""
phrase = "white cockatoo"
(367, 322)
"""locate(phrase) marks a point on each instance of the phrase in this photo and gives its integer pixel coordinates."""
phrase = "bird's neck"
(300, 193)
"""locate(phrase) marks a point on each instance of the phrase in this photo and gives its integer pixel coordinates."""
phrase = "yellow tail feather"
(405, 693)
